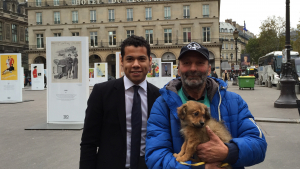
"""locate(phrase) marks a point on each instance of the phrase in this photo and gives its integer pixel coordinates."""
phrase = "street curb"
(277, 120)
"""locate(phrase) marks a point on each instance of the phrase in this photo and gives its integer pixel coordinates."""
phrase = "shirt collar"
(128, 84)
(191, 98)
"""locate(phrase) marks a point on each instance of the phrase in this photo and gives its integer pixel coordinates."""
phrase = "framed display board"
(101, 72)
(11, 77)
(67, 79)
(37, 76)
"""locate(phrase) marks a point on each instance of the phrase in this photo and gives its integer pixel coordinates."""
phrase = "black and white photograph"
(66, 62)
(166, 69)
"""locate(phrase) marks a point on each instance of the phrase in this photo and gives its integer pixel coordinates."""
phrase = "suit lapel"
(150, 98)
(120, 103)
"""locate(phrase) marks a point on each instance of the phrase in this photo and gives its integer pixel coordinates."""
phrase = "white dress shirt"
(129, 91)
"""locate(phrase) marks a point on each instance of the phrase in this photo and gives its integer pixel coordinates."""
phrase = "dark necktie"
(136, 125)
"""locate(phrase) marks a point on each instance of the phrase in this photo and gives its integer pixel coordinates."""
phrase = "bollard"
(297, 89)
(278, 86)
(270, 84)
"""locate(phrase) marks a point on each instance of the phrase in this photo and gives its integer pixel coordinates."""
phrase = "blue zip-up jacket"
(164, 139)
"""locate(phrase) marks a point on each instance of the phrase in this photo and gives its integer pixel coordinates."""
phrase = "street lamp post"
(221, 58)
(235, 35)
(287, 98)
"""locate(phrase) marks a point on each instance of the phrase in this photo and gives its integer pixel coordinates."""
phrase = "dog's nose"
(202, 123)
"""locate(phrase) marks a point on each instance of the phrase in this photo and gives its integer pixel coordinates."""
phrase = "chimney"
(234, 23)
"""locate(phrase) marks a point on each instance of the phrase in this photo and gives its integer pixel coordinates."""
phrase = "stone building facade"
(14, 28)
(166, 24)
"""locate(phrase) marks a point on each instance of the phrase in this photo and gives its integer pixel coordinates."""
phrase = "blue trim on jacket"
(164, 139)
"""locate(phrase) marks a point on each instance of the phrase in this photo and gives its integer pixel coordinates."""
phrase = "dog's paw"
(175, 155)
(181, 159)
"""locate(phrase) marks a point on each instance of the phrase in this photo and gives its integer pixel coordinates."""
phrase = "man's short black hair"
(135, 41)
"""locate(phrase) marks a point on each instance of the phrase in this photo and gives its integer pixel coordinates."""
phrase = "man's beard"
(195, 82)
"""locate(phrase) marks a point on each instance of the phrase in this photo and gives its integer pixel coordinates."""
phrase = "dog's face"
(193, 114)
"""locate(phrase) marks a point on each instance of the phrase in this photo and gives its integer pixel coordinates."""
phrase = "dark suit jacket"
(105, 126)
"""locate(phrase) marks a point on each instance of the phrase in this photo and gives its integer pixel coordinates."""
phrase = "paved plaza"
(55, 149)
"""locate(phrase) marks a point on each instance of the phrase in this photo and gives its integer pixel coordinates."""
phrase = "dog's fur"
(194, 116)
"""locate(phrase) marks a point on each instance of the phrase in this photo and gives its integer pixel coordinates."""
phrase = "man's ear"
(181, 111)
(207, 114)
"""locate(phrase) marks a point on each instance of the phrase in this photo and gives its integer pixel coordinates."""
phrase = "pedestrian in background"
(214, 74)
(225, 77)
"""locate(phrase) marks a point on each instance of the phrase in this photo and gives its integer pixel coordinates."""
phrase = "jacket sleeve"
(250, 140)
(91, 131)
(159, 150)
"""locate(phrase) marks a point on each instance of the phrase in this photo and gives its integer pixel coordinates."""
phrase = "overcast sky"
(253, 12)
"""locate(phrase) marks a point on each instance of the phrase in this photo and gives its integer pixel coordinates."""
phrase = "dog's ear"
(181, 111)
(207, 114)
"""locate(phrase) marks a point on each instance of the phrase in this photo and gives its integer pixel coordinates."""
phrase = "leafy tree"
(253, 49)
(296, 43)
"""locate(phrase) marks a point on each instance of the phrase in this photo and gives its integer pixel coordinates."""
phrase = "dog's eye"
(196, 114)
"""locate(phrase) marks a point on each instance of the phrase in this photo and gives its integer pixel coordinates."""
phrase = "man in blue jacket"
(248, 146)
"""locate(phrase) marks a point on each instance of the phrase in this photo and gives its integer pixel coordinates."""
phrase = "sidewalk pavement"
(43, 149)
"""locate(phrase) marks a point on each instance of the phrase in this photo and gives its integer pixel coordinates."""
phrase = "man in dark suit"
(116, 117)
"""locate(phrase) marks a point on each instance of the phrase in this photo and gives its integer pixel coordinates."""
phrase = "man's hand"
(212, 151)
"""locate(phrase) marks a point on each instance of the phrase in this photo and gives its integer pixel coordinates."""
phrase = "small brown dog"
(194, 116)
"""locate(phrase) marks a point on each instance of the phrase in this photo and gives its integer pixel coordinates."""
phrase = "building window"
(38, 18)
(75, 34)
(186, 11)
(94, 41)
(223, 46)
(93, 16)
(129, 0)
(129, 14)
(111, 15)
(167, 12)
(187, 35)
(14, 32)
(38, 2)
(206, 34)
(129, 33)
(56, 2)
(231, 46)
(226, 46)
(0, 30)
(226, 30)
(205, 11)
(112, 39)
(74, 16)
(56, 17)
(226, 55)
(149, 36)
(26, 34)
(39, 41)
(57, 34)
(168, 35)
(74, 2)
(148, 14)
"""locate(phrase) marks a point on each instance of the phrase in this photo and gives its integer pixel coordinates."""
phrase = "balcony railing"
(56, 22)
(186, 17)
(74, 21)
(149, 18)
(39, 23)
(129, 19)
(205, 16)
(169, 17)
(111, 20)
(156, 42)
(93, 21)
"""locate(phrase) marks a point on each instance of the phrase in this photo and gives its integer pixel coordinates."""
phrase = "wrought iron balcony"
(186, 17)
(111, 20)
(39, 23)
(93, 21)
(129, 19)
(74, 21)
(169, 17)
(149, 18)
(56, 22)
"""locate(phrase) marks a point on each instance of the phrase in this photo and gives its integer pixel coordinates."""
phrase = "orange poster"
(9, 67)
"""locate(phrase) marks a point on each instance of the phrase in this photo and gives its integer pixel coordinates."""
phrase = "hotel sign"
(84, 2)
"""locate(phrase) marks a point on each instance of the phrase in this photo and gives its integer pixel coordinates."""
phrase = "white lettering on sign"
(83, 2)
